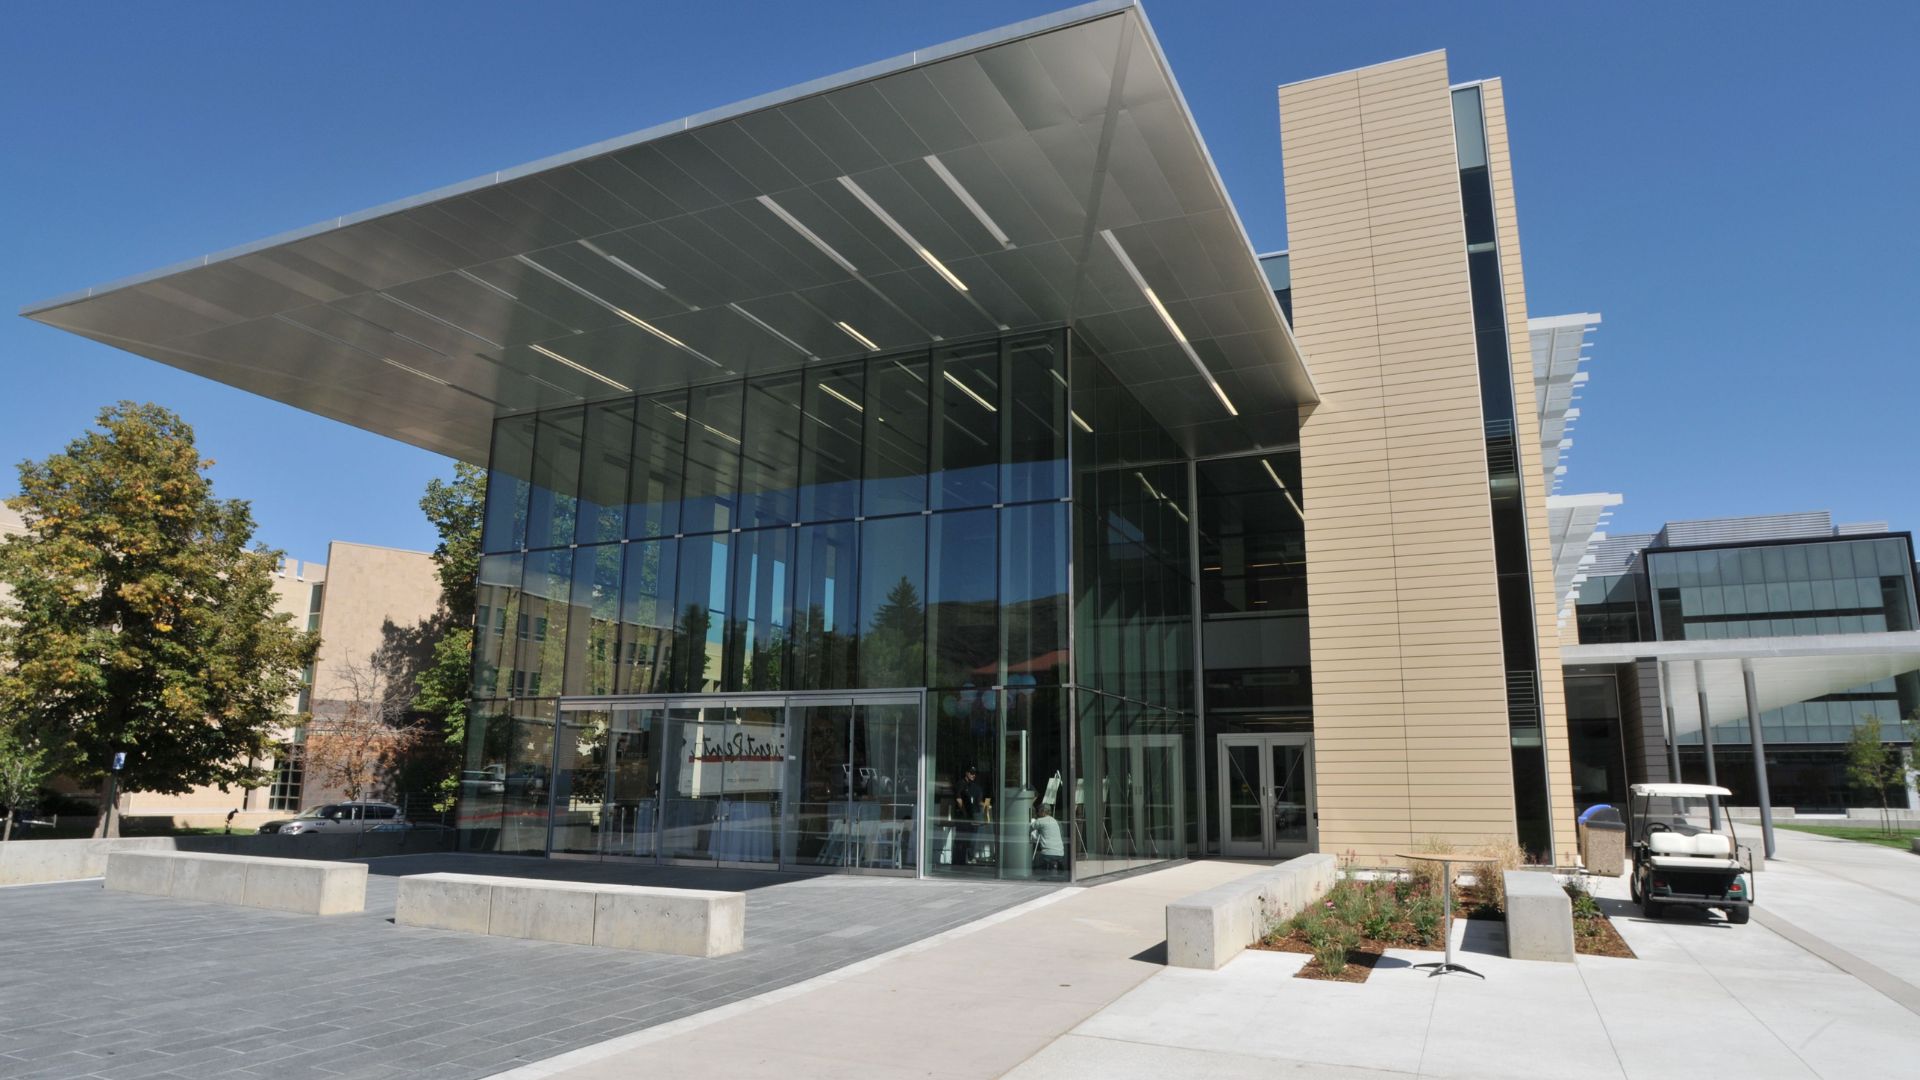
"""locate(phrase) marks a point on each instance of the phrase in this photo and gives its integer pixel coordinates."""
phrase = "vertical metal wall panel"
(1410, 717)
(1553, 690)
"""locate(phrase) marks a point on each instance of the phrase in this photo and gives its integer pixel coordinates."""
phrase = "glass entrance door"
(854, 784)
(723, 797)
(1266, 796)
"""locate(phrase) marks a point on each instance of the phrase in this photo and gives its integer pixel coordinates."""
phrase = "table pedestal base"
(1441, 967)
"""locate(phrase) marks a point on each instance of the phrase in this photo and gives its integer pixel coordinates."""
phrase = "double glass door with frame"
(804, 782)
(1266, 796)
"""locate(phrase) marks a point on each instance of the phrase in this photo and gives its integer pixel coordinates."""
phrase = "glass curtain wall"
(1253, 601)
(898, 522)
(1134, 795)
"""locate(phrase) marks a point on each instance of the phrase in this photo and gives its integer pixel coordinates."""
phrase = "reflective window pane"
(594, 620)
(554, 500)
(1035, 406)
(659, 462)
(496, 617)
(702, 595)
(529, 765)
(770, 451)
(893, 616)
(713, 459)
(1033, 593)
(647, 616)
(966, 426)
(606, 460)
(896, 437)
(509, 473)
(759, 615)
(824, 612)
(541, 628)
(483, 776)
(830, 428)
(963, 643)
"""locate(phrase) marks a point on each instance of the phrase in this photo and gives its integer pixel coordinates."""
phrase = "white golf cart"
(1679, 860)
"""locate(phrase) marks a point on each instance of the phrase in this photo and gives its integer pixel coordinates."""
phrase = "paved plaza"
(123, 986)
(890, 978)
(1825, 982)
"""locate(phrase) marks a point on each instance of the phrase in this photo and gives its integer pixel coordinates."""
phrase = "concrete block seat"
(1211, 927)
(688, 922)
(306, 886)
(1539, 917)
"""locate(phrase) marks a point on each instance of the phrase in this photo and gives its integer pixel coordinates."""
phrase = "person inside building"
(969, 807)
(1050, 855)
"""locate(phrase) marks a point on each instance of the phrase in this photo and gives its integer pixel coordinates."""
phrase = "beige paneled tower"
(1410, 700)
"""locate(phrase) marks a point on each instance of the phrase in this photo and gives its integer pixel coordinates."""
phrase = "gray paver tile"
(99, 984)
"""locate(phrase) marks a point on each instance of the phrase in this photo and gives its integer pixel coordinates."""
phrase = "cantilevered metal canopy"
(1787, 669)
(1045, 173)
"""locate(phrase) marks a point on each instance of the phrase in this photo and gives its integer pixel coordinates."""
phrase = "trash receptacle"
(1603, 841)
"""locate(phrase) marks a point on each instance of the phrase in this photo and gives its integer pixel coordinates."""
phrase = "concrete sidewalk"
(971, 1004)
(1704, 998)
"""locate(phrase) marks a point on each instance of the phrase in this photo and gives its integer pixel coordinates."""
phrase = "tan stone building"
(364, 600)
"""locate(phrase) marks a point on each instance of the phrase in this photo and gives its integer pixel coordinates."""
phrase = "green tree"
(893, 651)
(141, 620)
(25, 765)
(456, 508)
(1870, 765)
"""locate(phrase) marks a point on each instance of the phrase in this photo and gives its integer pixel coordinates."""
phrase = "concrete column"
(1759, 758)
(1706, 741)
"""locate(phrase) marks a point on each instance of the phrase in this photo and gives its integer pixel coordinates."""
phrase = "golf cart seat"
(1706, 844)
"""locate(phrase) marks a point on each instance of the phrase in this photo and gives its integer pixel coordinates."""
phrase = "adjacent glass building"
(928, 611)
(1735, 597)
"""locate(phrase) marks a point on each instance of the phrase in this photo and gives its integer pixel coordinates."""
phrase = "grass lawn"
(1899, 838)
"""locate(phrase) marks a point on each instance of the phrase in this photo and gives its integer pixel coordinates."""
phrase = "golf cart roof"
(1678, 791)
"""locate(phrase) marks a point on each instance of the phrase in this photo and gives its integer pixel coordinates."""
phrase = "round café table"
(1441, 967)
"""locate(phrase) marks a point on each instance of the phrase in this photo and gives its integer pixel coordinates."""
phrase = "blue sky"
(1732, 185)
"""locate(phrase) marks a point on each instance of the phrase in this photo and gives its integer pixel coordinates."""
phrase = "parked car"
(338, 818)
(491, 780)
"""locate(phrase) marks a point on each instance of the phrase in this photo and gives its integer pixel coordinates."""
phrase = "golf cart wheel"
(1739, 916)
(1633, 886)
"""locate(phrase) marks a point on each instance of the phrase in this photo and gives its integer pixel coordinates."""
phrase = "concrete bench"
(1539, 917)
(301, 885)
(689, 922)
(1211, 927)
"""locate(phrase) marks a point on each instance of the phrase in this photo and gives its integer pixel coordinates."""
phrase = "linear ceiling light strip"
(622, 312)
(969, 391)
(857, 335)
(1281, 484)
(1167, 318)
(622, 264)
(761, 323)
(808, 234)
(966, 199)
(900, 231)
(581, 368)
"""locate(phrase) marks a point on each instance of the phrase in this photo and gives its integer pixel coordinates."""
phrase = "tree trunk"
(6, 830)
(106, 823)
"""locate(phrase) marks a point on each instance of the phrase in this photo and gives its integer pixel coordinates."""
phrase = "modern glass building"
(886, 614)
(917, 472)
(1818, 620)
